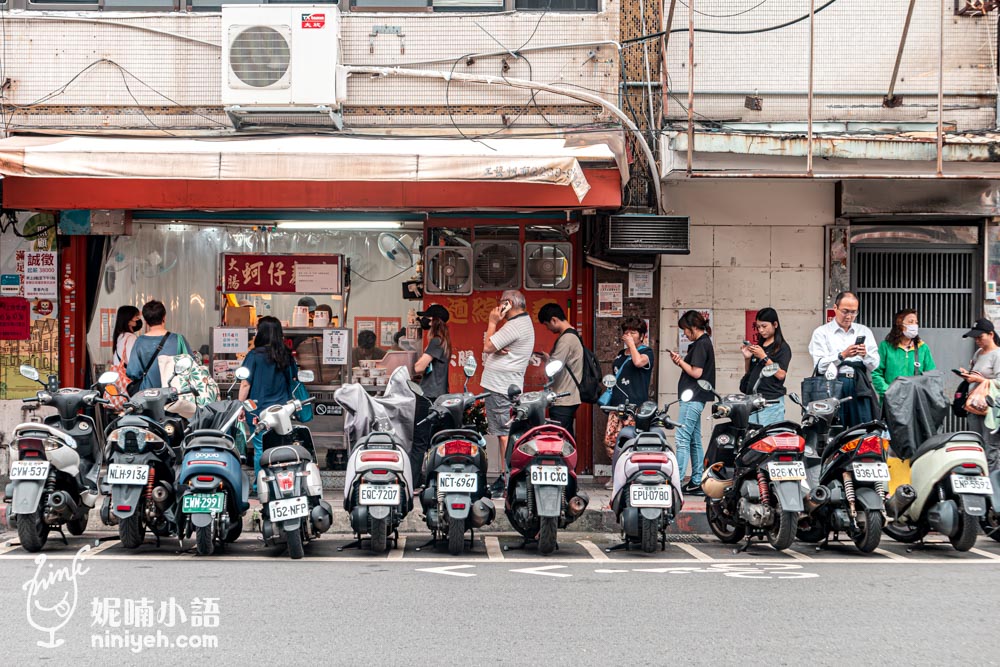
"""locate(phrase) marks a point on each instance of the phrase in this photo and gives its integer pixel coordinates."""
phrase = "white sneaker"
(89, 498)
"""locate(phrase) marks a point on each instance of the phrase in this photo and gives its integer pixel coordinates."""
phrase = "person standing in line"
(902, 353)
(985, 367)
(771, 348)
(851, 348)
(568, 349)
(697, 364)
(128, 321)
(507, 352)
(156, 342)
(633, 370)
(432, 367)
(272, 376)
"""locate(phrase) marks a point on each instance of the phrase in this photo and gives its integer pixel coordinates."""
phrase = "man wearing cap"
(985, 367)
(851, 348)
(508, 351)
(432, 367)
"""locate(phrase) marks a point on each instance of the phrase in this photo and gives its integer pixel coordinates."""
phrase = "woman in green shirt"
(902, 353)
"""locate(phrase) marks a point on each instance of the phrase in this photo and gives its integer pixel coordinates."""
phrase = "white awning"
(316, 158)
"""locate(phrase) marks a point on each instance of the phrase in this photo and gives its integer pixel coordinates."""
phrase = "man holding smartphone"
(851, 348)
(507, 352)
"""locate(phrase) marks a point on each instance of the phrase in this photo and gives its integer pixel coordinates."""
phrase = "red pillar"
(72, 311)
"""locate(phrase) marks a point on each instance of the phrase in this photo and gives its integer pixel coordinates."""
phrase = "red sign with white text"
(15, 318)
(277, 274)
(313, 20)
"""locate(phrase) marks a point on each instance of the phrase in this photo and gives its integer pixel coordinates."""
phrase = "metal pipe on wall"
(889, 100)
(664, 42)
(809, 113)
(690, 155)
(940, 118)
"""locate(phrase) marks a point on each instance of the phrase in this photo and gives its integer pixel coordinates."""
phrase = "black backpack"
(590, 383)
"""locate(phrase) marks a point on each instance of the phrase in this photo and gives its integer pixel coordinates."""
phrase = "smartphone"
(956, 372)
(746, 343)
(505, 307)
(860, 340)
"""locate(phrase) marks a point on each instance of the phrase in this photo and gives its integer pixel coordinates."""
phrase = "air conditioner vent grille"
(649, 234)
(260, 56)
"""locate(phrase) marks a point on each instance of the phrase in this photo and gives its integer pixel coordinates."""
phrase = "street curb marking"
(544, 571)
(889, 554)
(798, 555)
(8, 549)
(104, 547)
(692, 551)
(448, 570)
(592, 549)
(397, 553)
(984, 554)
(493, 550)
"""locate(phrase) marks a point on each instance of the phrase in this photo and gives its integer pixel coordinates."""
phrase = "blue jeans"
(772, 414)
(688, 438)
(258, 447)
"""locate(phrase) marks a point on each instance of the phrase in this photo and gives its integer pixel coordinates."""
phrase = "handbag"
(817, 388)
(958, 402)
(195, 379)
(300, 393)
(133, 387)
(118, 399)
(605, 398)
(981, 391)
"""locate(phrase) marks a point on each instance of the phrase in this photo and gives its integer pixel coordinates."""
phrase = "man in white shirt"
(852, 348)
(507, 353)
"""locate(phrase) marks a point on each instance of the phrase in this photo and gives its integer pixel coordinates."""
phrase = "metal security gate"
(941, 282)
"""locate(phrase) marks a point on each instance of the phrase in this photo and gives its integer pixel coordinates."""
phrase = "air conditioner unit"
(638, 233)
(281, 56)
(448, 270)
(548, 266)
(496, 265)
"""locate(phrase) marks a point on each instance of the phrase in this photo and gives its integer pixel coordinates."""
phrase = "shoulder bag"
(133, 386)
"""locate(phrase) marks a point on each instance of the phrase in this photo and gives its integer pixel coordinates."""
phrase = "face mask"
(137, 326)
(911, 330)
(425, 323)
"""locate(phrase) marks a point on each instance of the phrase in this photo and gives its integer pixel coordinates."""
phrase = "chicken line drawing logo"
(52, 595)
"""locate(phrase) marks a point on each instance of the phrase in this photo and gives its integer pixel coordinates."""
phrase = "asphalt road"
(695, 603)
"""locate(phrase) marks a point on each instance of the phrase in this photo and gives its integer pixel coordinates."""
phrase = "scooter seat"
(938, 441)
(284, 454)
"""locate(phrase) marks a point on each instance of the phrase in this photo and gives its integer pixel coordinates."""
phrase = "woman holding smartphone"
(985, 367)
(771, 349)
(697, 364)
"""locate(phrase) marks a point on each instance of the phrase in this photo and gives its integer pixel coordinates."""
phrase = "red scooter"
(542, 493)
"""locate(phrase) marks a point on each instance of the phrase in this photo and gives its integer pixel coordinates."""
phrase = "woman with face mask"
(128, 323)
(902, 353)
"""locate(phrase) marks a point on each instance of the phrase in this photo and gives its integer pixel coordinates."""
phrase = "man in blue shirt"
(143, 365)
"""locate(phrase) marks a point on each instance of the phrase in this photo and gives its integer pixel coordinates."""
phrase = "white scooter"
(289, 484)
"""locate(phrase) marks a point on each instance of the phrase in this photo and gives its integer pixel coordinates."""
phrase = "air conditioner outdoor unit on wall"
(281, 55)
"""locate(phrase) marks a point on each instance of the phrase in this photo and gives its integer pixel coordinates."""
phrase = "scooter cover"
(914, 409)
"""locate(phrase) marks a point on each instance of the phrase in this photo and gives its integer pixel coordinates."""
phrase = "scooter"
(542, 494)
(51, 462)
(139, 483)
(455, 498)
(378, 492)
(289, 484)
(647, 492)
(212, 488)
(848, 477)
(753, 476)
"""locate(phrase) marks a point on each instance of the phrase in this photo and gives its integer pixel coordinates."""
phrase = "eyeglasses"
(848, 313)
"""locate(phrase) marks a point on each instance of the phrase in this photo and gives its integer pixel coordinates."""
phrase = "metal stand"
(619, 547)
(431, 543)
(356, 544)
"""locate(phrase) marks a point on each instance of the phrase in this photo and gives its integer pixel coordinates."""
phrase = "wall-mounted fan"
(448, 270)
(497, 265)
(397, 249)
(548, 266)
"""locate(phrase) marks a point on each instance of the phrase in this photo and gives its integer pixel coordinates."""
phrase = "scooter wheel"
(547, 535)
(456, 536)
(968, 530)
(131, 531)
(205, 544)
(991, 524)
(380, 535)
(727, 530)
(32, 531)
(867, 540)
(77, 526)
(649, 534)
(295, 548)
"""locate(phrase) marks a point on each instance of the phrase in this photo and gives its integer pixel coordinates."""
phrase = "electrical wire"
(381, 280)
(725, 16)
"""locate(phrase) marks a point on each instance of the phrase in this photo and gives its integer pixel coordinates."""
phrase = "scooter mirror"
(243, 373)
(108, 378)
(183, 364)
(687, 395)
(29, 372)
(513, 391)
(469, 366)
(795, 398)
(553, 367)
(706, 385)
(831, 373)
(415, 388)
(608, 381)
(305, 376)
(770, 370)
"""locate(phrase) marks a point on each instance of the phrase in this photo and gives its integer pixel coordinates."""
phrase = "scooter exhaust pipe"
(900, 501)
(577, 505)
(62, 506)
(817, 498)
(161, 497)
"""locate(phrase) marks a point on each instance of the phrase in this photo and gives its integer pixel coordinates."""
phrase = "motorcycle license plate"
(786, 471)
(875, 471)
(462, 482)
(650, 496)
(969, 484)
(29, 470)
(120, 473)
(379, 494)
(557, 475)
(289, 508)
(203, 503)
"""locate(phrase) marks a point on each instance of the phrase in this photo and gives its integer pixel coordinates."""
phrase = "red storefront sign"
(277, 274)
(15, 318)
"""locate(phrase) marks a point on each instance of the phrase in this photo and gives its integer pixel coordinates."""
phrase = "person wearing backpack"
(568, 349)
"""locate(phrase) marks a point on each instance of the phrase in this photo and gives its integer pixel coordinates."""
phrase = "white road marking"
(9, 548)
(448, 570)
(984, 554)
(493, 550)
(687, 548)
(544, 571)
(595, 551)
(796, 555)
(889, 554)
(104, 547)
(397, 553)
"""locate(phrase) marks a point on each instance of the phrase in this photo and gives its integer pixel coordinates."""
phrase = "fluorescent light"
(359, 225)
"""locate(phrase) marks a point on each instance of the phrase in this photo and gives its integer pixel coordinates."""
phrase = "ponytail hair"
(692, 319)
